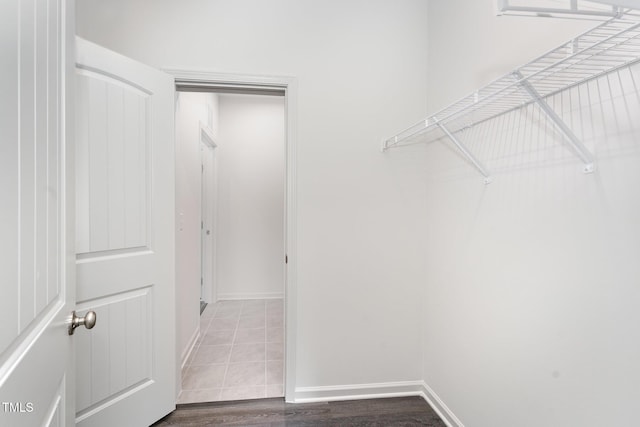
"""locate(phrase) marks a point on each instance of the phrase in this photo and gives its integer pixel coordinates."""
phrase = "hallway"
(239, 355)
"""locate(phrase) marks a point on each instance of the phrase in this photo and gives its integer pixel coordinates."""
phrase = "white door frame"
(208, 205)
(204, 79)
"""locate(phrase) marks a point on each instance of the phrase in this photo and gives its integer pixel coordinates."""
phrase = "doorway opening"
(245, 185)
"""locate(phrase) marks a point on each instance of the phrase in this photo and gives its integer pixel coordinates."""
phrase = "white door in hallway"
(36, 273)
(208, 196)
(124, 239)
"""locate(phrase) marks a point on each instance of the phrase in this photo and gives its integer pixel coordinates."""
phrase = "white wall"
(523, 291)
(531, 305)
(361, 69)
(191, 109)
(251, 184)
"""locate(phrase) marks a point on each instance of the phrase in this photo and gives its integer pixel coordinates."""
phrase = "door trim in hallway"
(202, 81)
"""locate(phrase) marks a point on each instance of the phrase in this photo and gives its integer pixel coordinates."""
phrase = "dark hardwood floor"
(392, 412)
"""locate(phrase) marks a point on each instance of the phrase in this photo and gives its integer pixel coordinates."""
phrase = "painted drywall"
(530, 314)
(251, 185)
(191, 110)
(361, 72)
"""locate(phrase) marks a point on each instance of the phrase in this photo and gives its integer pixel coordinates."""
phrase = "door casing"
(206, 80)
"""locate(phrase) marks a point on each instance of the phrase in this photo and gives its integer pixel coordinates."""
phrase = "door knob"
(89, 321)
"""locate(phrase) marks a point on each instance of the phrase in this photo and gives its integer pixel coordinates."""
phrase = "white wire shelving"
(612, 45)
(570, 9)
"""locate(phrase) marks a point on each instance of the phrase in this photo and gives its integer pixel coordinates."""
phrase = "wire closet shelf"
(612, 45)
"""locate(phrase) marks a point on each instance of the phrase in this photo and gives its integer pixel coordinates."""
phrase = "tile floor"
(239, 355)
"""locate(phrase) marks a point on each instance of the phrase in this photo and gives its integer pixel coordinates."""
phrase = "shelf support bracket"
(577, 145)
(483, 170)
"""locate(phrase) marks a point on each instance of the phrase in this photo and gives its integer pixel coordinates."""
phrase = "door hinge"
(286, 259)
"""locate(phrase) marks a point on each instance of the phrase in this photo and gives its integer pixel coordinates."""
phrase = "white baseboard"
(358, 391)
(439, 407)
(377, 391)
(249, 295)
(189, 349)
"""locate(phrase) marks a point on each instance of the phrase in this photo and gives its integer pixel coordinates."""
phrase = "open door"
(124, 239)
(36, 214)
(207, 208)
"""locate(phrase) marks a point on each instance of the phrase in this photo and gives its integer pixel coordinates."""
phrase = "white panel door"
(124, 239)
(207, 207)
(36, 265)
